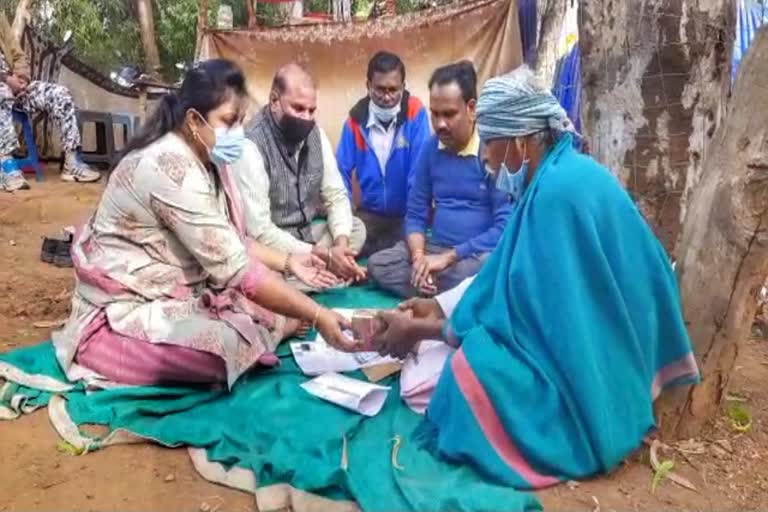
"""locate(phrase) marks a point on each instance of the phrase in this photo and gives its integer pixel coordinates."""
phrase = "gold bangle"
(286, 265)
(314, 320)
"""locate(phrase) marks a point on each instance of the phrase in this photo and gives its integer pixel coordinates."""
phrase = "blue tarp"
(751, 16)
(567, 88)
(526, 14)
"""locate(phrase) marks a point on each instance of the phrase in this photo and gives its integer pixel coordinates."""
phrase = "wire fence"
(666, 81)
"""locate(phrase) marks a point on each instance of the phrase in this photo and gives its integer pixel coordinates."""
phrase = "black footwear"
(47, 253)
(63, 257)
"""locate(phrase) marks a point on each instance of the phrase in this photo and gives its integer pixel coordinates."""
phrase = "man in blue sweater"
(379, 143)
(469, 211)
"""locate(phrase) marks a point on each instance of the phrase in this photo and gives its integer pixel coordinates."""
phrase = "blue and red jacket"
(383, 193)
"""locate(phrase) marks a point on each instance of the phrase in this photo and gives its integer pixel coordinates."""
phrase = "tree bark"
(202, 24)
(550, 28)
(20, 19)
(655, 78)
(148, 37)
(724, 247)
(252, 20)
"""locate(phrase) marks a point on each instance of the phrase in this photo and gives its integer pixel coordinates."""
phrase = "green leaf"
(741, 418)
(661, 473)
(70, 449)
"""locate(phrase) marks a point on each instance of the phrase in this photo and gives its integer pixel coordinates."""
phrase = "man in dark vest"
(294, 197)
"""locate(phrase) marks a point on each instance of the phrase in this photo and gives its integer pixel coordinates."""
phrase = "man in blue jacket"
(380, 143)
(442, 249)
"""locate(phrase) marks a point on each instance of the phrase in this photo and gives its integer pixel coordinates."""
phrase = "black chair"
(105, 137)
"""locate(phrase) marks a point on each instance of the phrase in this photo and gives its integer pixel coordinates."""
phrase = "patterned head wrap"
(516, 105)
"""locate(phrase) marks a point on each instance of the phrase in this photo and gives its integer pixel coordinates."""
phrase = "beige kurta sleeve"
(334, 193)
(253, 182)
(184, 200)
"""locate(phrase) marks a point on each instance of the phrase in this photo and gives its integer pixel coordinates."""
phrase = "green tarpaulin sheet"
(271, 426)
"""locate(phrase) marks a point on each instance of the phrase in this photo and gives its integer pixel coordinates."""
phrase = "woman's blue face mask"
(228, 146)
(513, 183)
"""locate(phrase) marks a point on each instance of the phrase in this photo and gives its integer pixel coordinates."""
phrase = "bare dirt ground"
(729, 468)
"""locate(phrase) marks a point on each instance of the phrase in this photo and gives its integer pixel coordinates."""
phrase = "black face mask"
(295, 130)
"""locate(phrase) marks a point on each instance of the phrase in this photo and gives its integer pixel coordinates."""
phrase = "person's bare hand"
(342, 263)
(424, 270)
(397, 338)
(428, 286)
(423, 308)
(311, 270)
(17, 84)
(331, 325)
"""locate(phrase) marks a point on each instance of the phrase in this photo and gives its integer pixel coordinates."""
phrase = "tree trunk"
(148, 38)
(342, 10)
(202, 24)
(655, 81)
(724, 246)
(252, 20)
(552, 13)
(20, 19)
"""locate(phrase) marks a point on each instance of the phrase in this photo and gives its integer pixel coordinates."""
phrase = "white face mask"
(385, 115)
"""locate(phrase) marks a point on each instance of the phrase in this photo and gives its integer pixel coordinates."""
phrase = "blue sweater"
(470, 212)
(382, 193)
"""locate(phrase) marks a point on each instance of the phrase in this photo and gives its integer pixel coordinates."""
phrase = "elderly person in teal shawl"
(570, 330)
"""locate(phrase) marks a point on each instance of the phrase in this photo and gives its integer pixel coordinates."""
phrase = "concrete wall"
(89, 96)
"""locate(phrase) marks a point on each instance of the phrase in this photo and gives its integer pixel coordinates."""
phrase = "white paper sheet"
(356, 395)
(316, 358)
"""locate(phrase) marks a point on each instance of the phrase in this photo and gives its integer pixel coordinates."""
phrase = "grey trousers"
(391, 270)
(381, 232)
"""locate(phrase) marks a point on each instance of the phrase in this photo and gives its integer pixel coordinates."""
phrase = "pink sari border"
(683, 368)
(89, 275)
(491, 425)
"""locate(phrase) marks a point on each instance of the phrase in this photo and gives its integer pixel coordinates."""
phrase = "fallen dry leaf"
(724, 444)
(691, 447)
(47, 324)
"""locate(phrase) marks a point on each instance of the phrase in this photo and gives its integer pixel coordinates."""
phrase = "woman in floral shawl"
(168, 289)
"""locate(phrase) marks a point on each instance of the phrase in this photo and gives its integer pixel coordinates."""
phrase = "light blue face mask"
(385, 115)
(513, 183)
(228, 147)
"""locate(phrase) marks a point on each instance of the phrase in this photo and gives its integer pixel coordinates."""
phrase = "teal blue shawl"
(566, 336)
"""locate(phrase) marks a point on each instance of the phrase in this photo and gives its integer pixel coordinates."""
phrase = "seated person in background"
(380, 143)
(167, 291)
(287, 178)
(571, 329)
(18, 92)
(470, 213)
